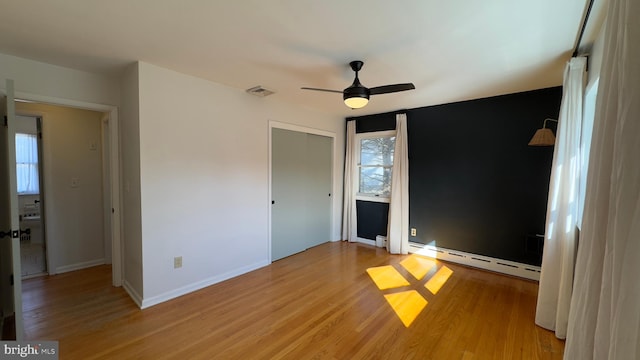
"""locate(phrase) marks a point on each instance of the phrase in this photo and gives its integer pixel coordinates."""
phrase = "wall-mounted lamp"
(544, 136)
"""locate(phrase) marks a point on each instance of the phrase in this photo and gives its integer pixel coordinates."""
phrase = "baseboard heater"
(478, 261)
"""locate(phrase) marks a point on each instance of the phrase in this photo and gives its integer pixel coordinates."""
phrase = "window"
(376, 162)
(588, 116)
(27, 163)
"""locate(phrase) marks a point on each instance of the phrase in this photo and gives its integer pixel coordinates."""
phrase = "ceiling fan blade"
(386, 89)
(316, 89)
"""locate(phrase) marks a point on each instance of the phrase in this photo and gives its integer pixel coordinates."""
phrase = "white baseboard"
(154, 300)
(132, 293)
(366, 241)
(478, 261)
(78, 266)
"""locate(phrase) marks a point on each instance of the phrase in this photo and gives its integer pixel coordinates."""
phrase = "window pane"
(26, 148)
(377, 151)
(375, 180)
(27, 164)
(588, 117)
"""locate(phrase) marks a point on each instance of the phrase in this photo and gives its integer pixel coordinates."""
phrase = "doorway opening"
(72, 210)
(30, 194)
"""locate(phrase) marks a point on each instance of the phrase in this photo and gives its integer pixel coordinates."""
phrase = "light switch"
(75, 182)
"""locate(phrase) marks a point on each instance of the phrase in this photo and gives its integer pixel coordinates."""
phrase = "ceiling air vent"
(260, 91)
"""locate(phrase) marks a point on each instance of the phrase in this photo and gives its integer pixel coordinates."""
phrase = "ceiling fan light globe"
(356, 95)
(356, 102)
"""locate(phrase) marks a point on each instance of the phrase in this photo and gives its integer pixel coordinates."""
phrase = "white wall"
(130, 164)
(71, 141)
(204, 179)
(33, 77)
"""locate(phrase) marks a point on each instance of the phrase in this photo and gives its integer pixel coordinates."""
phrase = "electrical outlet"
(413, 232)
(177, 262)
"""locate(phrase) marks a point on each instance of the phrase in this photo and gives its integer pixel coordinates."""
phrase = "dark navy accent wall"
(373, 218)
(474, 183)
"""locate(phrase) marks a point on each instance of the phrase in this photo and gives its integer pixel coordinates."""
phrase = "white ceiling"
(451, 50)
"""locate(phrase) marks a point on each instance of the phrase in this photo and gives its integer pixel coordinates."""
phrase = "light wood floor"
(320, 304)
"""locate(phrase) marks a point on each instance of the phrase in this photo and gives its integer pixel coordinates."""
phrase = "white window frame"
(359, 138)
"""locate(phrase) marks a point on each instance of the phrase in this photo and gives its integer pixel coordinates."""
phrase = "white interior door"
(301, 183)
(10, 270)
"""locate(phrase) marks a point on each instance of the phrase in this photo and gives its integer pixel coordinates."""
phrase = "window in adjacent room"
(375, 164)
(27, 163)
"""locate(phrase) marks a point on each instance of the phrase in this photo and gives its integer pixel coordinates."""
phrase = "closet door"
(288, 191)
(319, 159)
(301, 191)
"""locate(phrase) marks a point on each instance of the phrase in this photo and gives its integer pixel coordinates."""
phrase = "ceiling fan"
(357, 96)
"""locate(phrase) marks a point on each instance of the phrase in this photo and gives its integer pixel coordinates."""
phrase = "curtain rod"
(584, 26)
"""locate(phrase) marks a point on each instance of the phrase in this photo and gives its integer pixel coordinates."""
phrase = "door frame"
(307, 130)
(114, 170)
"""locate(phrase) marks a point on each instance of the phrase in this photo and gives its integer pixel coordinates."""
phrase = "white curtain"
(558, 259)
(27, 163)
(604, 321)
(398, 228)
(349, 217)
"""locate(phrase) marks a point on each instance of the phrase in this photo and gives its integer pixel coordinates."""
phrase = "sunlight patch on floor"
(435, 283)
(407, 305)
(386, 277)
(418, 266)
